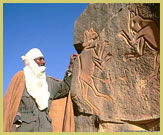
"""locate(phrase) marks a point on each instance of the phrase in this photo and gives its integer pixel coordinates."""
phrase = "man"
(29, 96)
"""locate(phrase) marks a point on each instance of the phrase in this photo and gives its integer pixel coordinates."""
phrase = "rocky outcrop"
(116, 78)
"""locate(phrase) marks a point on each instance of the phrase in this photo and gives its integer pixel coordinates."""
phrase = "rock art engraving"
(89, 59)
(144, 32)
(135, 102)
(124, 78)
(106, 80)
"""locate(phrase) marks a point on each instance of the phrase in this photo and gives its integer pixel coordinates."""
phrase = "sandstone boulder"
(116, 78)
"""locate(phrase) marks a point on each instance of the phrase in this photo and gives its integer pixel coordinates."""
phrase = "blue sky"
(48, 27)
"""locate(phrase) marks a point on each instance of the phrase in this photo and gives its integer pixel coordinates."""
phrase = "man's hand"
(72, 59)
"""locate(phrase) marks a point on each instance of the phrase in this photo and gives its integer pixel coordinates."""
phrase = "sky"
(48, 27)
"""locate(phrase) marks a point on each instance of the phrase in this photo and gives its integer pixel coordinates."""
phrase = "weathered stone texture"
(115, 87)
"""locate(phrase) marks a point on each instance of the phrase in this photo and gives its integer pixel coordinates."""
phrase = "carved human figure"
(145, 32)
(88, 59)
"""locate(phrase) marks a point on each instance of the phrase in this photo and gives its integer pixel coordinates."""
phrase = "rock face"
(116, 78)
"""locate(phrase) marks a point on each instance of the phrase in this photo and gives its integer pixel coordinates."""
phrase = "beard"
(36, 84)
(37, 70)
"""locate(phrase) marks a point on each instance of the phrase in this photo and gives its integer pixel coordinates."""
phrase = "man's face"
(40, 61)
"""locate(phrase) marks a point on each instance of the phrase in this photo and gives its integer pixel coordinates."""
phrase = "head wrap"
(35, 78)
(31, 55)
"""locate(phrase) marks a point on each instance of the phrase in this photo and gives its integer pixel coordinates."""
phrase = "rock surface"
(116, 83)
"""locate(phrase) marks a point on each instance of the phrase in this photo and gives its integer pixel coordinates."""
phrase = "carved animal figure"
(145, 32)
(88, 60)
